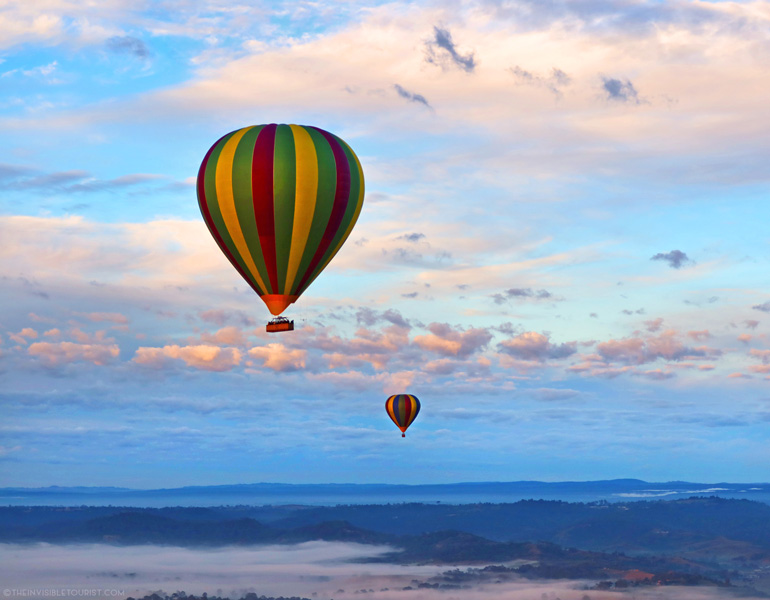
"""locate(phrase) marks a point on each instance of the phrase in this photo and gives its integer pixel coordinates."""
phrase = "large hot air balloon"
(280, 200)
(403, 409)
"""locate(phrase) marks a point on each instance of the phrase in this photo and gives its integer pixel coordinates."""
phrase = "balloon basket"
(279, 324)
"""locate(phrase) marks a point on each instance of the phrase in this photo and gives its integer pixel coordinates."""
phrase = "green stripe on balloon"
(284, 183)
(327, 183)
(353, 202)
(339, 206)
(212, 203)
(244, 202)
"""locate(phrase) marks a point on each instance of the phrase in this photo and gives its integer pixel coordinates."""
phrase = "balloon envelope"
(280, 200)
(402, 409)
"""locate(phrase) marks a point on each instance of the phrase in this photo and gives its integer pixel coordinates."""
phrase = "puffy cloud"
(536, 347)
(369, 317)
(640, 350)
(443, 339)
(374, 347)
(621, 91)
(227, 336)
(699, 335)
(443, 366)
(83, 337)
(398, 382)
(279, 358)
(443, 51)
(23, 336)
(59, 353)
(676, 259)
(204, 357)
(764, 307)
(763, 355)
(522, 293)
(654, 325)
(745, 338)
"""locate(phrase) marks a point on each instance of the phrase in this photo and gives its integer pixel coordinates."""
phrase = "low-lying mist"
(321, 570)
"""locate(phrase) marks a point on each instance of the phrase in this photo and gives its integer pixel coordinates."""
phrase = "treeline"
(204, 596)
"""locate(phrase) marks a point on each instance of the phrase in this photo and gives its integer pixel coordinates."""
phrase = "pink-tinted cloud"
(204, 357)
(443, 366)
(641, 350)
(399, 382)
(699, 336)
(23, 336)
(656, 374)
(39, 319)
(445, 340)
(745, 338)
(374, 347)
(279, 358)
(763, 355)
(227, 336)
(654, 325)
(59, 353)
(98, 337)
(98, 317)
(535, 346)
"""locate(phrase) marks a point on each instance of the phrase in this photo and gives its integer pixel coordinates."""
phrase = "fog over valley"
(313, 570)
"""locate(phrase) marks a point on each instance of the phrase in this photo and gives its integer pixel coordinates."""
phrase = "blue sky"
(563, 249)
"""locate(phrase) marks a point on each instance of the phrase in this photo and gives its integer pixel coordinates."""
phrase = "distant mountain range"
(616, 490)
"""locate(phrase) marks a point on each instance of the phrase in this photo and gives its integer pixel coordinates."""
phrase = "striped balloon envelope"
(402, 409)
(280, 200)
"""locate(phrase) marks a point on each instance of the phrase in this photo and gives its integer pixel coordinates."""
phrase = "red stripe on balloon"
(407, 409)
(341, 198)
(262, 193)
(203, 204)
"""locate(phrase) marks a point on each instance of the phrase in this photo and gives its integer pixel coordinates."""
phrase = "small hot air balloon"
(280, 200)
(403, 409)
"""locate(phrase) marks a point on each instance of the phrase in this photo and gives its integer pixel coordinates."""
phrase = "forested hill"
(690, 525)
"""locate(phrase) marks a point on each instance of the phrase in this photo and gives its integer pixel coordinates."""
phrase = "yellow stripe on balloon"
(226, 201)
(391, 412)
(359, 206)
(304, 200)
